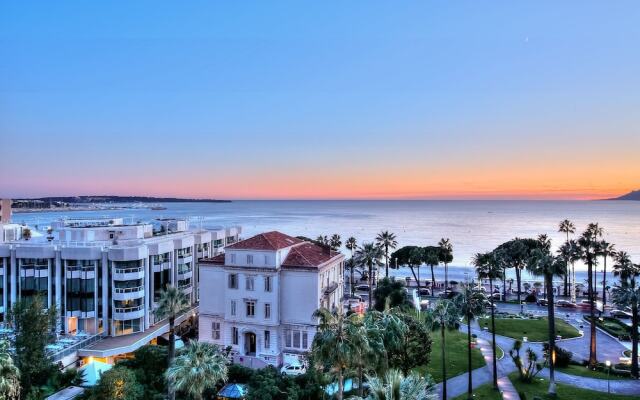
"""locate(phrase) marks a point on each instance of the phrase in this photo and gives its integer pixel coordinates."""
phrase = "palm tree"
(171, 303)
(199, 366)
(322, 240)
(445, 316)
(431, 259)
(470, 303)
(336, 342)
(335, 242)
(9, 374)
(566, 227)
(386, 240)
(488, 267)
(587, 251)
(628, 294)
(446, 256)
(395, 386)
(605, 249)
(542, 262)
(351, 244)
(369, 255)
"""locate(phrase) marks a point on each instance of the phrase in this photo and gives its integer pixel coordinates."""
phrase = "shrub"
(563, 357)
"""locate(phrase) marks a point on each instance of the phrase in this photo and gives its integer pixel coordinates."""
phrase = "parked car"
(542, 302)
(362, 288)
(497, 296)
(425, 292)
(448, 294)
(566, 304)
(487, 304)
(293, 369)
(621, 314)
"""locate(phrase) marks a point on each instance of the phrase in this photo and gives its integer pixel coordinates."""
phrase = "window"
(233, 307)
(234, 335)
(251, 308)
(266, 260)
(267, 339)
(233, 281)
(249, 283)
(295, 338)
(215, 330)
(249, 259)
(232, 258)
(267, 283)
(267, 311)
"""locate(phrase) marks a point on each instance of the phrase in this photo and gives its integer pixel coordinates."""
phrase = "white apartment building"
(105, 276)
(259, 296)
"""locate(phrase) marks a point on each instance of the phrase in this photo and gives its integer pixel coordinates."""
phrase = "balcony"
(184, 272)
(187, 289)
(128, 293)
(128, 274)
(80, 314)
(127, 313)
(161, 266)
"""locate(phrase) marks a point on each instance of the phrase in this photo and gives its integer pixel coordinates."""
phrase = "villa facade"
(259, 296)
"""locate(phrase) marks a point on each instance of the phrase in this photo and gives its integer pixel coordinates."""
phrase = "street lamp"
(608, 364)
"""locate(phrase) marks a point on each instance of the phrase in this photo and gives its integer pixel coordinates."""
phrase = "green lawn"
(583, 371)
(456, 356)
(536, 330)
(565, 392)
(484, 392)
(613, 327)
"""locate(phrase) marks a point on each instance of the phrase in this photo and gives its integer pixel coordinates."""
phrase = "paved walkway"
(458, 385)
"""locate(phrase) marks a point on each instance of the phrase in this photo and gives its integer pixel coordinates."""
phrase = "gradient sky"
(260, 99)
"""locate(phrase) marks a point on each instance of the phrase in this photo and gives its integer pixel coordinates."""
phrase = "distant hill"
(124, 199)
(634, 195)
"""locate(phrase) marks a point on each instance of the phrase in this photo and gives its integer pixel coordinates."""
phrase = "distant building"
(5, 211)
(259, 296)
(106, 276)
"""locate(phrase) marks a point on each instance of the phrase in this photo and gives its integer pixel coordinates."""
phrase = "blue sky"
(320, 99)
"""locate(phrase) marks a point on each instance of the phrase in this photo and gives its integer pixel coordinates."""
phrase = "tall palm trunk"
(433, 280)
(493, 338)
(593, 358)
(444, 364)
(370, 284)
(469, 374)
(634, 340)
(386, 261)
(604, 284)
(573, 282)
(353, 285)
(552, 334)
(504, 286)
(567, 272)
(172, 352)
(446, 277)
(518, 281)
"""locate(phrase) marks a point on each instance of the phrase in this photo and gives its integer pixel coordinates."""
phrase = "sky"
(320, 100)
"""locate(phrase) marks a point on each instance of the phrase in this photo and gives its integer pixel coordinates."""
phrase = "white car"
(362, 288)
(293, 369)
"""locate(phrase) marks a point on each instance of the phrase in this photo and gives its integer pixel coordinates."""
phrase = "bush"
(563, 357)
(239, 374)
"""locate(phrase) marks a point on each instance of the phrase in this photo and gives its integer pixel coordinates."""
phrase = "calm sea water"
(472, 226)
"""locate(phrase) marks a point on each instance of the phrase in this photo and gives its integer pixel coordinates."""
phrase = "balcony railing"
(128, 270)
(129, 289)
(129, 309)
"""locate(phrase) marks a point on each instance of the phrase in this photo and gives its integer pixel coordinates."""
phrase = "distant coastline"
(633, 196)
(123, 199)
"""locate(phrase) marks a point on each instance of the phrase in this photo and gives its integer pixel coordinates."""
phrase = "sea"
(472, 226)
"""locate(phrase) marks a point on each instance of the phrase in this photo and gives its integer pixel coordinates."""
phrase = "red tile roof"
(219, 259)
(266, 241)
(308, 255)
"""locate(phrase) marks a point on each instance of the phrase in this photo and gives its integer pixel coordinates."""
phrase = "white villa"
(259, 296)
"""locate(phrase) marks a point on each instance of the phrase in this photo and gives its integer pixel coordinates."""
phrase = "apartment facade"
(105, 276)
(260, 294)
